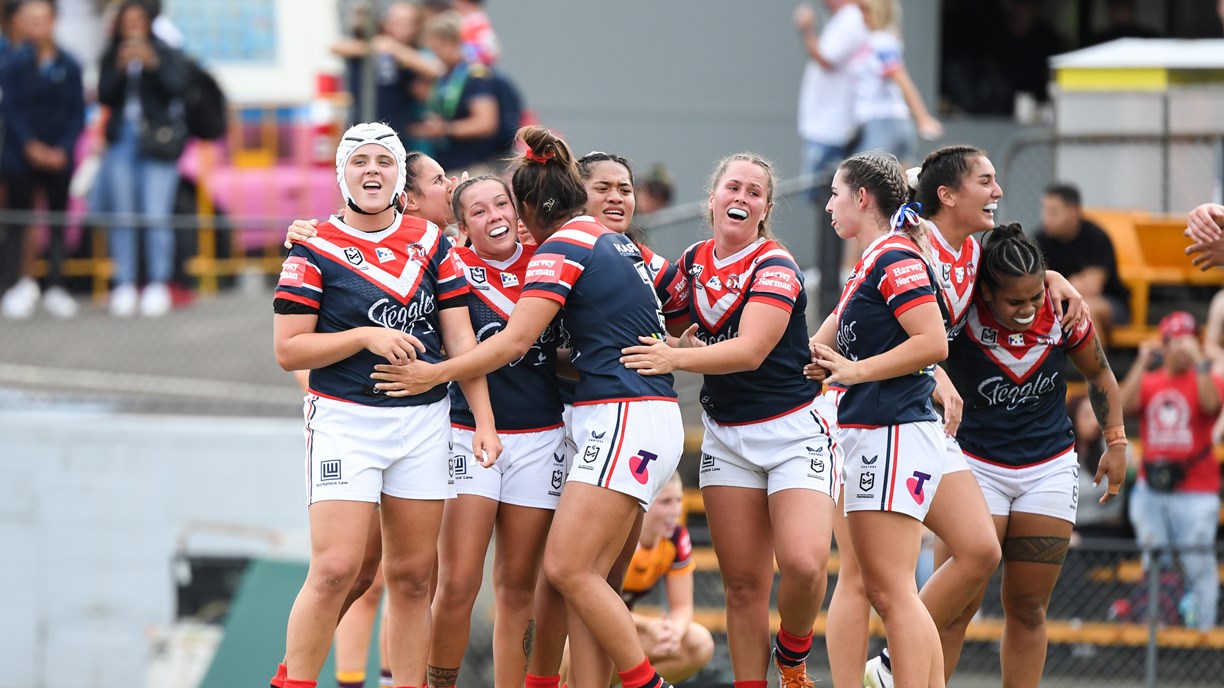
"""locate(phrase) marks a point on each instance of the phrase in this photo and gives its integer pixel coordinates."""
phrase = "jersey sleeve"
(777, 283)
(1081, 335)
(904, 281)
(300, 287)
(554, 269)
(452, 286)
(670, 284)
(683, 563)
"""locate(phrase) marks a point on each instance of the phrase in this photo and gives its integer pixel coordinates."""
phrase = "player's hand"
(688, 339)
(653, 357)
(841, 369)
(666, 637)
(1204, 223)
(417, 377)
(300, 230)
(953, 405)
(486, 445)
(805, 17)
(399, 348)
(1206, 254)
(1112, 466)
(1076, 310)
(930, 129)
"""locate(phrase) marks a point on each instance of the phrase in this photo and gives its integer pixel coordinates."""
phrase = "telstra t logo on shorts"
(639, 463)
(915, 485)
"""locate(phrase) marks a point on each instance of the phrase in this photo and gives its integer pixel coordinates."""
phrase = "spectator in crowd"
(402, 73)
(887, 105)
(44, 113)
(1025, 47)
(463, 118)
(141, 81)
(1122, 22)
(826, 96)
(480, 44)
(654, 189)
(1176, 501)
(1082, 251)
(1204, 227)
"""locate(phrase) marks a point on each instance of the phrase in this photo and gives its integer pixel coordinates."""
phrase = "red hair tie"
(541, 159)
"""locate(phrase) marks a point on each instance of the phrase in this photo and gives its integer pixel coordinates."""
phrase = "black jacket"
(161, 89)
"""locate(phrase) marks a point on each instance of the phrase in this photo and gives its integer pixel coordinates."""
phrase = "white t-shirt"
(826, 96)
(876, 95)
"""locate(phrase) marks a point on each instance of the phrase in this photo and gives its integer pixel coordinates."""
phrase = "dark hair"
(1067, 192)
(546, 179)
(883, 177)
(587, 163)
(658, 183)
(1009, 253)
(151, 9)
(763, 227)
(945, 166)
(411, 163)
(457, 196)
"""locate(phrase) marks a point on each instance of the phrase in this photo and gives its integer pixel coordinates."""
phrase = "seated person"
(677, 647)
(1082, 252)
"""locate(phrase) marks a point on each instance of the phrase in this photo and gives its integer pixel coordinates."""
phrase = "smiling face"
(489, 220)
(610, 196)
(1016, 300)
(370, 174)
(972, 205)
(431, 201)
(740, 202)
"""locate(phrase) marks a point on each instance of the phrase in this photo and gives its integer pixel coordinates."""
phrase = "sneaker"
(793, 676)
(124, 300)
(875, 675)
(155, 300)
(59, 303)
(20, 300)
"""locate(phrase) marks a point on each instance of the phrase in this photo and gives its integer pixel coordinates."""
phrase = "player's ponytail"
(547, 186)
(1009, 253)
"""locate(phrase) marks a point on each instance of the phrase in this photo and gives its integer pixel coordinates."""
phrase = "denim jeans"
(137, 184)
(1182, 520)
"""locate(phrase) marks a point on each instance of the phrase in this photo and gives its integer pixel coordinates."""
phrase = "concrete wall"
(92, 510)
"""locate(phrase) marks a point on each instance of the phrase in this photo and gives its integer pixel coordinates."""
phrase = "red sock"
(640, 676)
(543, 681)
(750, 684)
(278, 681)
(300, 683)
(793, 650)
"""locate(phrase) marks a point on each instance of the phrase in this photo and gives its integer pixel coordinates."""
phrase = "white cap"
(359, 135)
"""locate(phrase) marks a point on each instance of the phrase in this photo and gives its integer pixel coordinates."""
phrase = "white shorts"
(955, 460)
(895, 468)
(358, 453)
(1050, 488)
(530, 471)
(632, 447)
(796, 450)
(567, 422)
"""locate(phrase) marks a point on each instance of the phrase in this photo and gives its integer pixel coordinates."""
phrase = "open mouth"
(737, 213)
(499, 232)
(1025, 320)
(614, 212)
(991, 207)
(372, 186)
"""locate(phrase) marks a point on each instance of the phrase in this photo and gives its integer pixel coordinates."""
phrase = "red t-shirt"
(1174, 428)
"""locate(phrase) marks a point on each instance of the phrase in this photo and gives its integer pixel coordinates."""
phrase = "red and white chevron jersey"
(957, 276)
(398, 278)
(888, 280)
(1013, 386)
(715, 297)
(600, 279)
(523, 393)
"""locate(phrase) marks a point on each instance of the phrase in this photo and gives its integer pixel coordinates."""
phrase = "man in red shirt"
(1176, 502)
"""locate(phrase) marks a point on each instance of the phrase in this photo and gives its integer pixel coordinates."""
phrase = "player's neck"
(955, 237)
(370, 223)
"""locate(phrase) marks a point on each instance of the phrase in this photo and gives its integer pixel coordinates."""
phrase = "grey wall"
(92, 509)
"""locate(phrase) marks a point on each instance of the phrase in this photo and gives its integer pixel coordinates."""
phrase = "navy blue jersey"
(600, 279)
(716, 294)
(524, 393)
(398, 277)
(888, 280)
(1013, 386)
(669, 288)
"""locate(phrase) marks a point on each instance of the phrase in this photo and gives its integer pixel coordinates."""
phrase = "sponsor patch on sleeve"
(546, 268)
(293, 272)
(902, 277)
(779, 281)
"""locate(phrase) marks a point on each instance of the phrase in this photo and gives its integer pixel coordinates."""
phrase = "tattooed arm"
(1106, 401)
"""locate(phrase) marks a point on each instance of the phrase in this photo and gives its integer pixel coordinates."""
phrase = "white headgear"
(359, 135)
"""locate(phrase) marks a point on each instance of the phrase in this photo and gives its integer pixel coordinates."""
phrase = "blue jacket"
(41, 102)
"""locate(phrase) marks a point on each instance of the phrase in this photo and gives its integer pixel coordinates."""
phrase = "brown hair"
(884, 179)
(770, 177)
(545, 179)
(946, 166)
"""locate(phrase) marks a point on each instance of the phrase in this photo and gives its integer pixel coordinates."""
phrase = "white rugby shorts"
(632, 447)
(894, 468)
(1050, 488)
(530, 471)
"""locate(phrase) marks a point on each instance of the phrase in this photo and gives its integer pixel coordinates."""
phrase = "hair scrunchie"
(906, 216)
(541, 158)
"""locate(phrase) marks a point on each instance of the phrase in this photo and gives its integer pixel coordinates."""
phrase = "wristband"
(1115, 435)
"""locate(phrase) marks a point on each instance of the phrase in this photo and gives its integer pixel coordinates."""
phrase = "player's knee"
(809, 571)
(745, 590)
(980, 557)
(515, 591)
(407, 579)
(699, 645)
(334, 574)
(882, 598)
(1027, 610)
(562, 573)
(458, 591)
